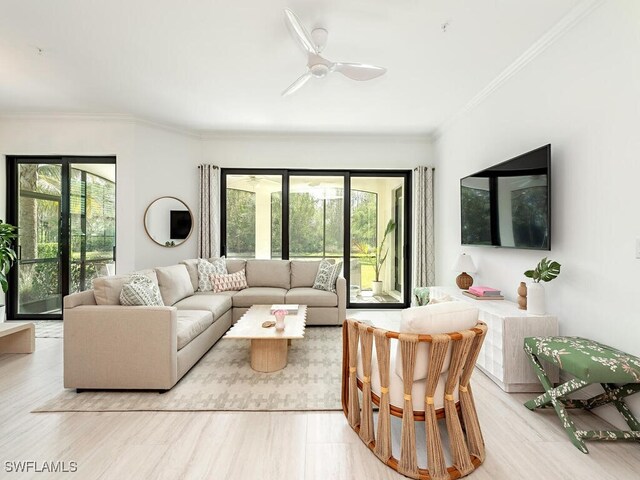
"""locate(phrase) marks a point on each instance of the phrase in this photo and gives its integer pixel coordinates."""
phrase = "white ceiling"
(221, 65)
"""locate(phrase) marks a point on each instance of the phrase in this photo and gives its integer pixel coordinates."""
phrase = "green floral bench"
(589, 362)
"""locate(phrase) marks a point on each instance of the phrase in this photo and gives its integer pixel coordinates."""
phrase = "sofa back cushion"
(106, 290)
(303, 273)
(234, 265)
(431, 319)
(269, 273)
(175, 283)
(192, 268)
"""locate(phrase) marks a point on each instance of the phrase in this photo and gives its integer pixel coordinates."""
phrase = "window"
(356, 217)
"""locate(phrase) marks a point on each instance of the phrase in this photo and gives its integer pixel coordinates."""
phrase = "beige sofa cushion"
(235, 265)
(174, 282)
(191, 323)
(259, 296)
(192, 268)
(216, 303)
(303, 273)
(268, 273)
(431, 319)
(107, 289)
(311, 297)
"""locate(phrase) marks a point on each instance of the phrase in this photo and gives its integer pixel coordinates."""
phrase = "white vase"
(280, 321)
(536, 303)
(376, 287)
(1, 313)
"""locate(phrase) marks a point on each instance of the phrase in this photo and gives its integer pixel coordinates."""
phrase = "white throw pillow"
(327, 275)
(140, 290)
(206, 268)
(445, 317)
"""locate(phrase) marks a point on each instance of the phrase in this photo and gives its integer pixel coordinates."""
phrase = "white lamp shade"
(464, 264)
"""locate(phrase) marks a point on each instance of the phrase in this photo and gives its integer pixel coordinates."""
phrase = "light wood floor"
(279, 445)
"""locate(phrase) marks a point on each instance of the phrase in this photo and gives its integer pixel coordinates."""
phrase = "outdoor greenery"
(316, 225)
(7, 254)
(545, 271)
(376, 256)
(92, 210)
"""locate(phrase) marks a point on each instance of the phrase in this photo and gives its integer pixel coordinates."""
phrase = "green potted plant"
(376, 257)
(7, 257)
(545, 271)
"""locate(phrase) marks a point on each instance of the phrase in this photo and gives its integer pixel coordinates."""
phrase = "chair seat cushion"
(192, 323)
(259, 296)
(216, 303)
(311, 297)
(586, 359)
(396, 387)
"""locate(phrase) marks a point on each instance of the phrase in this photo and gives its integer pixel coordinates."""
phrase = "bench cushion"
(216, 303)
(311, 297)
(191, 323)
(258, 296)
(586, 359)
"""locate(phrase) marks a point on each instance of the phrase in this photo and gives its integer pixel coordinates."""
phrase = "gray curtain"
(209, 212)
(424, 256)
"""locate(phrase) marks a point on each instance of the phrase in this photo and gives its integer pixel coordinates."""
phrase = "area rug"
(224, 381)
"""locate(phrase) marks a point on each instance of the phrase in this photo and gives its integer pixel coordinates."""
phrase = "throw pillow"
(217, 266)
(140, 290)
(327, 275)
(229, 281)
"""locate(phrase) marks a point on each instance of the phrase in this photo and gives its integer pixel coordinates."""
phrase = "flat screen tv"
(180, 225)
(509, 204)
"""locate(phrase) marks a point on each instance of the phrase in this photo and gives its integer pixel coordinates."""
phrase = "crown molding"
(100, 117)
(574, 16)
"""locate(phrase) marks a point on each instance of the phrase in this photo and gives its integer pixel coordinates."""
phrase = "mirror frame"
(144, 221)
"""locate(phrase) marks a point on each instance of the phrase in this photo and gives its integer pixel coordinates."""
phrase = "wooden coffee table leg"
(268, 355)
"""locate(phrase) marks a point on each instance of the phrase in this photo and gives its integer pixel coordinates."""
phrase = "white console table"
(502, 358)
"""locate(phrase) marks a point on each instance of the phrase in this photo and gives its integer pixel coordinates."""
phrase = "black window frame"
(286, 174)
(13, 198)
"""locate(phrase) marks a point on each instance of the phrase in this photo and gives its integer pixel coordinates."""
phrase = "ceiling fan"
(318, 66)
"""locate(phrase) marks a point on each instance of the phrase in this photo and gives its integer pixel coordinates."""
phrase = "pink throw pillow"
(229, 282)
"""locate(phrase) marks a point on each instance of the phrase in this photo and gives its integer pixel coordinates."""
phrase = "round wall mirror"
(168, 221)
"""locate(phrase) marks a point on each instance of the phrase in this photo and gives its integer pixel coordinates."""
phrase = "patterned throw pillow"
(229, 281)
(327, 275)
(140, 290)
(217, 266)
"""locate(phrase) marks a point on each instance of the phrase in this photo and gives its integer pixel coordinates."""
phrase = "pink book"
(484, 291)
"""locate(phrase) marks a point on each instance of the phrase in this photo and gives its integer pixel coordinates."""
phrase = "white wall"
(582, 95)
(318, 151)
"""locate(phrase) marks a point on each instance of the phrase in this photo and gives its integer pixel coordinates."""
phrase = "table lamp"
(464, 264)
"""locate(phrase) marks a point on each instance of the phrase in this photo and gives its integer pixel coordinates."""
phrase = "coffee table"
(269, 347)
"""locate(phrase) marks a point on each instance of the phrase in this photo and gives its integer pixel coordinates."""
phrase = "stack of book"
(291, 309)
(484, 293)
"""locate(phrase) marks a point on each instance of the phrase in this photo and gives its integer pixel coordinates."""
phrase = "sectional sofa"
(111, 346)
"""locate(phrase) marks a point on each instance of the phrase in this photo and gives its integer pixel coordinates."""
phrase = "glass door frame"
(347, 175)
(64, 225)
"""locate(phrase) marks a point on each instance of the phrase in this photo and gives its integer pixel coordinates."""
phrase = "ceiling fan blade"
(299, 32)
(297, 84)
(358, 71)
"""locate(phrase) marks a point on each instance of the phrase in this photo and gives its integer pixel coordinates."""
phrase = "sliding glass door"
(64, 208)
(358, 217)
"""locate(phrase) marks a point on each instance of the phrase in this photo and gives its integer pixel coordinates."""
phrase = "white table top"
(250, 324)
